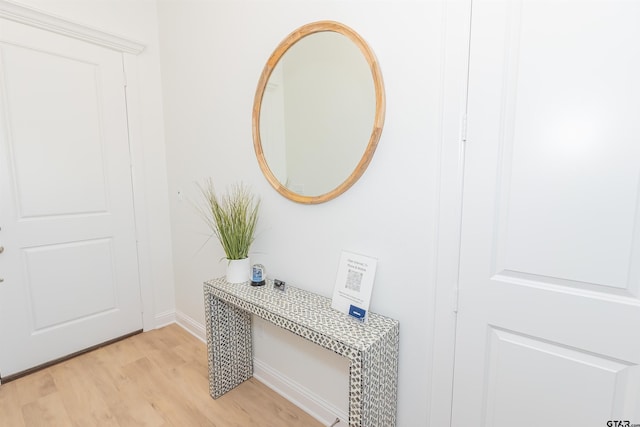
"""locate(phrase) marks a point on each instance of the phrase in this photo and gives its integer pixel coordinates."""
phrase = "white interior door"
(549, 315)
(69, 265)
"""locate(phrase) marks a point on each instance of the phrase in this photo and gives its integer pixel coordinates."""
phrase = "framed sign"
(354, 283)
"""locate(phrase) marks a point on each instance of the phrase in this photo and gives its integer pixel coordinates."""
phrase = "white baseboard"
(192, 326)
(302, 397)
(165, 318)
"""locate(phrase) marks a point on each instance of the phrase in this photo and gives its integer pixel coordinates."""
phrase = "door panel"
(82, 271)
(67, 110)
(567, 124)
(549, 261)
(66, 208)
(513, 361)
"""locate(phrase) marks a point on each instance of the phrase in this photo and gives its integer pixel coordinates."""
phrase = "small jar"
(258, 275)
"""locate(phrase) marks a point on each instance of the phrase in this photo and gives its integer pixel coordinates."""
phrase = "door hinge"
(463, 128)
(456, 294)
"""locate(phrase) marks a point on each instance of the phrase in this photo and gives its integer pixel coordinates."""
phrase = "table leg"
(229, 341)
(373, 384)
(355, 391)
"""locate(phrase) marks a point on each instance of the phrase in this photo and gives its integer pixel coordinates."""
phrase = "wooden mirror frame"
(290, 40)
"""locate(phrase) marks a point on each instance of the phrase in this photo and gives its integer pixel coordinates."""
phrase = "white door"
(69, 265)
(548, 329)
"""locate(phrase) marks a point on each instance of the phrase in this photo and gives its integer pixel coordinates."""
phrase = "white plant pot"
(238, 270)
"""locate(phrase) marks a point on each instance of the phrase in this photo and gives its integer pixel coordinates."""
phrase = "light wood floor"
(157, 378)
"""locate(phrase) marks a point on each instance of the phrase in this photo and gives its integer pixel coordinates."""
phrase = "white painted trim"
(165, 318)
(191, 325)
(136, 154)
(297, 394)
(451, 168)
(46, 21)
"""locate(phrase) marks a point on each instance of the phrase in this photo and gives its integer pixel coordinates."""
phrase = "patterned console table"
(371, 347)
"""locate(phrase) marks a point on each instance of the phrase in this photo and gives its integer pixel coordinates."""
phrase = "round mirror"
(318, 112)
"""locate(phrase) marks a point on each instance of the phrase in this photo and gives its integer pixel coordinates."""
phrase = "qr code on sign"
(354, 280)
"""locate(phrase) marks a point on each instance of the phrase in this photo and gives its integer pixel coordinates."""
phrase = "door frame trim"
(136, 152)
(46, 21)
(129, 50)
(456, 47)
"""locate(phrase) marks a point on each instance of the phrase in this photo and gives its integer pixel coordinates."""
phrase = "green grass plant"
(231, 217)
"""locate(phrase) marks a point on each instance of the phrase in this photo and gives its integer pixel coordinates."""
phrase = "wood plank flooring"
(157, 378)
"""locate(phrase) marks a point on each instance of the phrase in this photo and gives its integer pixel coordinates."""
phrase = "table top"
(306, 309)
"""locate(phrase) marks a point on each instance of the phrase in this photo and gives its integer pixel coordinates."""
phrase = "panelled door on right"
(548, 327)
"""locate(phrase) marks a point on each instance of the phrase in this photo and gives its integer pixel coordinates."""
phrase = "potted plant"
(232, 218)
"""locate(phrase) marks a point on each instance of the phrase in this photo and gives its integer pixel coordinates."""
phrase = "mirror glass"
(318, 112)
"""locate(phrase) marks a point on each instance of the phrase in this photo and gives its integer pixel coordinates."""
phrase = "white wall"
(212, 55)
(137, 20)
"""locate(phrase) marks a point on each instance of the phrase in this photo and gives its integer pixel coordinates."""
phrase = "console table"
(371, 347)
